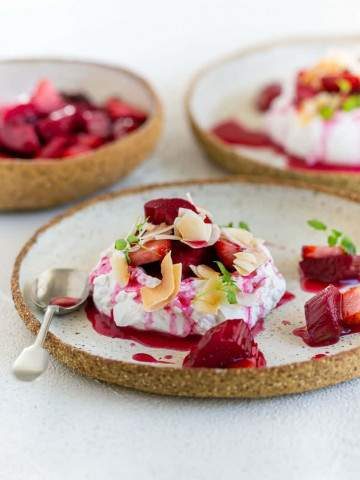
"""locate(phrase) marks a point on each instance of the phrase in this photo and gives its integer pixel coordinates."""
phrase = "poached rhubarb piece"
(53, 124)
(267, 95)
(323, 314)
(329, 264)
(165, 210)
(228, 345)
(351, 307)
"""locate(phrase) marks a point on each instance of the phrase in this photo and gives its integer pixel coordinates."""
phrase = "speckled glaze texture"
(76, 238)
(27, 185)
(213, 96)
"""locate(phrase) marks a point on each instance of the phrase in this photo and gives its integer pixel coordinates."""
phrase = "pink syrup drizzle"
(286, 298)
(232, 132)
(65, 302)
(145, 357)
(318, 356)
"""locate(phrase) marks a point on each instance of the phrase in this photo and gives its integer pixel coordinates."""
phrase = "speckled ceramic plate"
(276, 211)
(227, 89)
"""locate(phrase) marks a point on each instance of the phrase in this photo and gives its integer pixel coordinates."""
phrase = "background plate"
(276, 212)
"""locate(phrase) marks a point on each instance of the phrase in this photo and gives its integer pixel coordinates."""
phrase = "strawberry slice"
(314, 251)
(55, 148)
(61, 122)
(267, 95)
(351, 307)
(96, 122)
(46, 98)
(225, 251)
(152, 251)
(21, 139)
(165, 210)
(228, 345)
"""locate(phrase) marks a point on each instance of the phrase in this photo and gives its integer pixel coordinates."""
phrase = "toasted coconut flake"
(159, 296)
(210, 297)
(247, 262)
(191, 227)
(204, 272)
(120, 268)
(239, 236)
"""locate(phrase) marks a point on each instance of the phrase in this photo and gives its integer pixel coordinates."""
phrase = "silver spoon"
(57, 292)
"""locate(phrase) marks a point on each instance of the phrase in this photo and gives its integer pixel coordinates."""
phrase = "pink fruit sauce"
(315, 286)
(145, 357)
(287, 297)
(65, 302)
(318, 356)
(232, 132)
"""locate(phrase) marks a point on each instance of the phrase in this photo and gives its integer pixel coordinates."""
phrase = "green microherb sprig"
(124, 244)
(335, 237)
(228, 284)
(241, 224)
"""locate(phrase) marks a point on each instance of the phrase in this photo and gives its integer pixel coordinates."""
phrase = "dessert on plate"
(310, 120)
(315, 116)
(178, 272)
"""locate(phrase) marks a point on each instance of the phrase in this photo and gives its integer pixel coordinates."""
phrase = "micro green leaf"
(326, 112)
(348, 245)
(121, 244)
(228, 284)
(244, 226)
(317, 224)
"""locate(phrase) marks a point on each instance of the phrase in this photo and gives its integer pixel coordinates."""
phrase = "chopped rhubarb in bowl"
(68, 128)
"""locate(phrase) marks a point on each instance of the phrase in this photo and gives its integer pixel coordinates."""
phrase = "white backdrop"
(66, 426)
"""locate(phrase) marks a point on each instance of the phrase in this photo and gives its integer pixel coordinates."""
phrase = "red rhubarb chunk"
(96, 122)
(46, 98)
(55, 148)
(331, 269)
(165, 210)
(61, 122)
(116, 108)
(351, 307)
(267, 95)
(227, 345)
(187, 256)
(225, 251)
(323, 315)
(21, 139)
(153, 251)
(20, 113)
(314, 251)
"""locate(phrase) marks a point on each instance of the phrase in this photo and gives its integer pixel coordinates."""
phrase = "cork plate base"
(227, 88)
(276, 211)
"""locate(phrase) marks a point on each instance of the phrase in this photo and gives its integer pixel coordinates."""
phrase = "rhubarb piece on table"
(323, 315)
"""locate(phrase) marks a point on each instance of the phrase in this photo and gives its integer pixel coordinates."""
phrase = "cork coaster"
(227, 89)
(35, 184)
(276, 210)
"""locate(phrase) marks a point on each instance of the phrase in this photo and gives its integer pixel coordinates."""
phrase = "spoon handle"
(49, 313)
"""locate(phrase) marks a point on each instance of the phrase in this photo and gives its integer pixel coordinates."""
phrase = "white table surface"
(64, 426)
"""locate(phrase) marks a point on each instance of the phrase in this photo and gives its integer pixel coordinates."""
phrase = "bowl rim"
(253, 48)
(157, 110)
(294, 377)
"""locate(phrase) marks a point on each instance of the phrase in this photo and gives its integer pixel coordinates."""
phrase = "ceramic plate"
(227, 89)
(276, 212)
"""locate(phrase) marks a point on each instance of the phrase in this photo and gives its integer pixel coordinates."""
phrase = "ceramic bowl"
(42, 183)
(228, 87)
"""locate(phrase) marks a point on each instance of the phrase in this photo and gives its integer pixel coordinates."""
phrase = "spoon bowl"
(58, 292)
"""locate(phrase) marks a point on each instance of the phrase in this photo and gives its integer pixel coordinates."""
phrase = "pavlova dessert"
(316, 115)
(178, 272)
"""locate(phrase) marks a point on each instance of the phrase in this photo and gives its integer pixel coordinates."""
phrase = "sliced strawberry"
(116, 108)
(20, 113)
(331, 269)
(351, 306)
(165, 210)
(228, 345)
(92, 141)
(76, 149)
(46, 98)
(323, 315)
(225, 251)
(267, 95)
(314, 251)
(152, 251)
(123, 126)
(190, 256)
